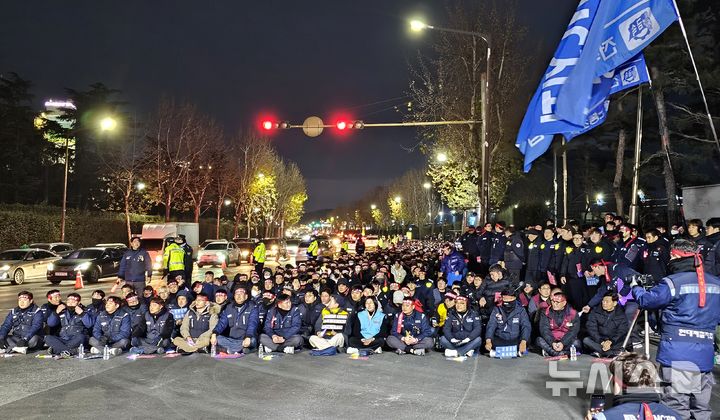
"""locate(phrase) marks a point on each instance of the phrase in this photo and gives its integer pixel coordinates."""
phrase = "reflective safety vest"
(313, 249)
(259, 253)
(174, 257)
(345, 246)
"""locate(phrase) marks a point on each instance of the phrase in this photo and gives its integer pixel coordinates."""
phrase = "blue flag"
(541, 122)
(619, 31)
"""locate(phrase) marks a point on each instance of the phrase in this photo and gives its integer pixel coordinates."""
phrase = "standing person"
(313, 249)
(469, 243)
(497, 249)
(690, 302)
(188, 261)
(259, 256)
(453, 264)
(135, 267)
(22, 327)
(630, 248)
(709, 246)
(174, 259)
(514, 256)
(656, 256)
(695, 230)
(578, 287)
(484, 245)
(360, 246)
(532, 273)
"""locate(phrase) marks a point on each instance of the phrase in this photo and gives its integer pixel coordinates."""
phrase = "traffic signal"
(352, 125)
(268, 125)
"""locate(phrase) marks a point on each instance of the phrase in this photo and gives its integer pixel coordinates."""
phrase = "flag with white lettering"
(541, 122)
(619, 31)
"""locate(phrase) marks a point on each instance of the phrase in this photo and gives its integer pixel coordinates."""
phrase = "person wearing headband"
(559, 327)
(197, 325)
(22, 326)
(411, 331)
(690, 302)
(462, 333)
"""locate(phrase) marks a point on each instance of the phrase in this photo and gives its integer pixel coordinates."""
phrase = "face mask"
(96, 302)
(674, 232)
(255, 293)
(508, 305)
(266, 275)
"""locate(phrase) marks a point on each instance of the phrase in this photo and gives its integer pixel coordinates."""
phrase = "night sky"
(241, 60)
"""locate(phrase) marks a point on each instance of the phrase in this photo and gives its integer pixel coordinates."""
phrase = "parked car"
(17, 265)
(216, 253)
(325, 250)
(93, 263)
(246, 248)
(112, 245)
(291, 245)
(275, 248)
(371, 242)
(207, 242)
(60, 248)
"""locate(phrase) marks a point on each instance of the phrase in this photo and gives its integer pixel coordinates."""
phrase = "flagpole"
(636, 162)
(565, 182)
(555, 186)
(697, 76)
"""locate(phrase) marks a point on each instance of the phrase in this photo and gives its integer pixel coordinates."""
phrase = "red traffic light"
(342, 125)
(268, 125)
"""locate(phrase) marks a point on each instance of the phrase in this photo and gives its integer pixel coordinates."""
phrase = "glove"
(467, 340)
(454, 340)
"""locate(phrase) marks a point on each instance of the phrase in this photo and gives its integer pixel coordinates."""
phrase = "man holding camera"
(690, 301)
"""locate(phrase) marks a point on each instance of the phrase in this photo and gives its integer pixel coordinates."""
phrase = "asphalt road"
(40, 286)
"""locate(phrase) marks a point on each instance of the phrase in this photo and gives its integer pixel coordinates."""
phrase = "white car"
(371, 241)
(16, 265)
(217, 253)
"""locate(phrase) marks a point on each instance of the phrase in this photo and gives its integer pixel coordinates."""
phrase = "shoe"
(451, 353)
(352, 350)
(115, 352)
(418, 352)
(636, 346)
(21, 350)
(378, 350)
(2, 351)
(544, 353)
(48, 351)
(65, 355)
(136, 350)
(95, 350)
(492, 354)
(289, 350)
(160, 350)
(470, 353)
(596, 354)
(400, 352)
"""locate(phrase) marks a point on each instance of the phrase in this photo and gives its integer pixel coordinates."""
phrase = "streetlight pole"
(484, 206)
(65, 185)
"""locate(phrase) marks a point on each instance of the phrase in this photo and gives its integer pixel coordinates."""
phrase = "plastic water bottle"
(261, 351)
(213, 350)
(106, 353)
(81, 352)
(573, 353)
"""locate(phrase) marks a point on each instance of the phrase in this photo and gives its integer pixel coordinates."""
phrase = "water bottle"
(106, 353)
(81, 352)
(573, 353)
(261, 351)
(213, 350)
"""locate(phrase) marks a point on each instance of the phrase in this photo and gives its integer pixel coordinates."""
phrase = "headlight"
(158, 258)
(156, 266)
(274, 247)
(5, 267)
(83, 266)
(336, 242)
(245, 253)
(50, 267)
(222, 257)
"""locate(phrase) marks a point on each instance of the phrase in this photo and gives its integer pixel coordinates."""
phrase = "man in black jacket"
(154, 333)
(559, 327)
(607, 327)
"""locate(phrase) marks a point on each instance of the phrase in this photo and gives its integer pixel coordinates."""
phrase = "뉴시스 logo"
(638, 28)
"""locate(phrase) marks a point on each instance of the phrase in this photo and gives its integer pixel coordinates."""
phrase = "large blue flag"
(619, 31)
(541, 122)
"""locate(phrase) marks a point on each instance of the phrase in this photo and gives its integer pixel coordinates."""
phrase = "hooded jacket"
(200, 324)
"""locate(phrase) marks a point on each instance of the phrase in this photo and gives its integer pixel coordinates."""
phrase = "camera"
(645, 281)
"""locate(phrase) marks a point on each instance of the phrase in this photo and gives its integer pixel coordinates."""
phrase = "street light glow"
(417, 25)
(261, 175)
(441, 214)
(427, 185)
(547, 203)
(398, 199)
(373, 206)
(108, 124)
(441, 157)
(140, 186)
(228, 202)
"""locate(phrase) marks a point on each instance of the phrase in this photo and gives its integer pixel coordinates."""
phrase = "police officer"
(469, 243)
(174, 259)
(514, 256)
(630, 248)
(710, 246)
(188, 261)
(259, 256)
(314, 248)
(135, 267)
(656, 256)
(690, 302)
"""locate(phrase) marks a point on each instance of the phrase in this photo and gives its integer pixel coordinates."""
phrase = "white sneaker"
(21, 350)
(289, 350)
(95, 350)
(492, 354)
(2, 351)
(352, 350)
(470, 353)
(418, 352)
(451, 353)
(115, 352)
(378, 350)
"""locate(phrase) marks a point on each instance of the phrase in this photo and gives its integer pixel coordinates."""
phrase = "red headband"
(698, 269)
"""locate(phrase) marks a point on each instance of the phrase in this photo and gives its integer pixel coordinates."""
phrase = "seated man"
(369, 329)
(559, 327)
(411, 331)
(282, 327)
(607, 327)
(636, 392)
(236, 330)
(136, 309)
(332, 327)
(155, 332)
(22, 326)
(74, 326)
(197, 326)
(112, 328)
(462, 331)
(509, 325)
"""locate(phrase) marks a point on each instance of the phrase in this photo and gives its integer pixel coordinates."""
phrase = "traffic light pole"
(399, 124)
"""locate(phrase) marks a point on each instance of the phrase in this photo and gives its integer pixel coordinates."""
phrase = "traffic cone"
(78, 281)
(224, 264)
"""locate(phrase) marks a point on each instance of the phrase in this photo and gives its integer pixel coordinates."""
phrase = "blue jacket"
(484, 245)
(159, 326)
(461, 326)
(135, 266)
(415, 324)
(71, 324)
(620, 278)
(630, 253)
(115, 327)
(455, 262)
(497, 249)
(687, 330)
(514, 256)
(633, 409)
(22, 323)
(513, 326)
(284, 326)
(240, 321)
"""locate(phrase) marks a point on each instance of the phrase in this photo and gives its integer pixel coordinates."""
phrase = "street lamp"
(108, 124)
(398, 199)
(427, 185)
(373, 207)
(261, 175)
(140, 186)
(441, 157)
(417, 26)
(228, 202)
